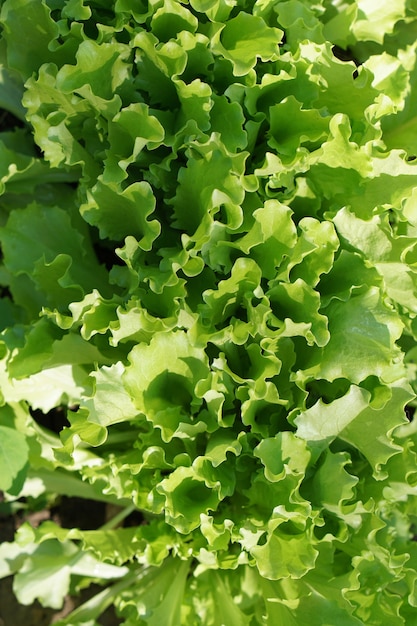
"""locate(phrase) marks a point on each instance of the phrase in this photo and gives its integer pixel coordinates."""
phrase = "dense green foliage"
(209, 260)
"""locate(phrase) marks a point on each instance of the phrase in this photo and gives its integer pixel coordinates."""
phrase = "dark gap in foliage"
(136, 171)
(392, 217)
(331, 525)
(106, 254)
(221, 214)
(262, 539)
(123, 36)
(256, 157)
(55, 420)
(265, 284)
(237, 409)
(409, 412)
(279, 191)
(197, 284)
(55, 13)
(8, 121)
(39, 153)
(7, 525)
(280, 421)
(193, 565)
(371, 384)
(6, 293)
(240, 313)
(90, 28)
(79, 513)
(222, 76)
(256, 301)
(136, 518)
(34, 614)
(60, 40)
(345, 55)
(212, 351)
(105, 249)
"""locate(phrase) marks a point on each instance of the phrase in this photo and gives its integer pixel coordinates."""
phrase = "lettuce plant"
(209, 261)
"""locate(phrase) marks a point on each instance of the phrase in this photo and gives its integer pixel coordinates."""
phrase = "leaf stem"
(69, 484)
(119, 517)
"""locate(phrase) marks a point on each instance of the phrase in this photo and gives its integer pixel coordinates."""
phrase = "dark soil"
(70, 513)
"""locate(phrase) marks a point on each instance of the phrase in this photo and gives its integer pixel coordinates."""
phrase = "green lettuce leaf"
(208, 257)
